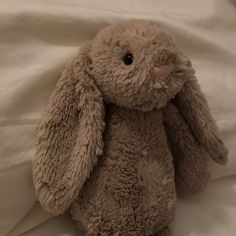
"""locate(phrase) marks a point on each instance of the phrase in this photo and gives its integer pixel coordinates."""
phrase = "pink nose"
(163, 71)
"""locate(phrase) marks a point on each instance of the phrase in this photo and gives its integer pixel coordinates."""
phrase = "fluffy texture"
(131, 191)
(70, 138)
(190, 163)
(102, 148)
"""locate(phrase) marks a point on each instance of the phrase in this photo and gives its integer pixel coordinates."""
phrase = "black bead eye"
(128, 59)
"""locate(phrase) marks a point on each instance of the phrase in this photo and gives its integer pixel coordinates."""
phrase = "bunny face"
(136, 65)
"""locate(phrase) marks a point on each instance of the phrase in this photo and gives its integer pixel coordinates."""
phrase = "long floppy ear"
(69, 138)
(194, 108)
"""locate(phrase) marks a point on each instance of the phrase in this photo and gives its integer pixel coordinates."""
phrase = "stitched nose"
(163, 71)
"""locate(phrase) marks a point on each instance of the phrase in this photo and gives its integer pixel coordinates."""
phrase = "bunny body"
(131, 190)
(102, 147)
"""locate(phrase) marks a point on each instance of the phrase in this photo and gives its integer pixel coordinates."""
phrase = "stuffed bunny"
(126, 113)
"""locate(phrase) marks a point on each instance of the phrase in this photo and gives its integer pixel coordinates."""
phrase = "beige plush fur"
(105, 147)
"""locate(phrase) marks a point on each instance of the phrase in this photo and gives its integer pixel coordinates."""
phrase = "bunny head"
(135, 64)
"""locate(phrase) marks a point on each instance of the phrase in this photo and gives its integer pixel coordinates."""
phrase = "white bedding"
(36, 40)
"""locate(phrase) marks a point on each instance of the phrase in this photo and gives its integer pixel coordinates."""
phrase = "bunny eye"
(128, 59)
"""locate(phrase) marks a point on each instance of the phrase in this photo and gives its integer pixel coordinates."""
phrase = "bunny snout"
(162, 72)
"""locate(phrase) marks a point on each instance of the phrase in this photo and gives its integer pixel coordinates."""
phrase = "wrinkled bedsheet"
(36, 40)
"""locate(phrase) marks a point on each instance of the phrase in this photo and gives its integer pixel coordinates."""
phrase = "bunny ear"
(194, 108)
(69, 138)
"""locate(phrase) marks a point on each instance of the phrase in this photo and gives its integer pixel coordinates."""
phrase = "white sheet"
(38, 37)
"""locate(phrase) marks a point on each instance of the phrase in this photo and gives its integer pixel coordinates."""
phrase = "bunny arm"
(69, 139)
(191, 174)
(194, 109)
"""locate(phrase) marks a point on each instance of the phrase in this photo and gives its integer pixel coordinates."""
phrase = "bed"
(36, 40)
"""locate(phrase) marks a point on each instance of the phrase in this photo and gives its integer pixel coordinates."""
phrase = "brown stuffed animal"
(102, 149)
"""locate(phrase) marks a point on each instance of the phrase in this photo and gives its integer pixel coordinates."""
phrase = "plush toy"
(123, 133)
